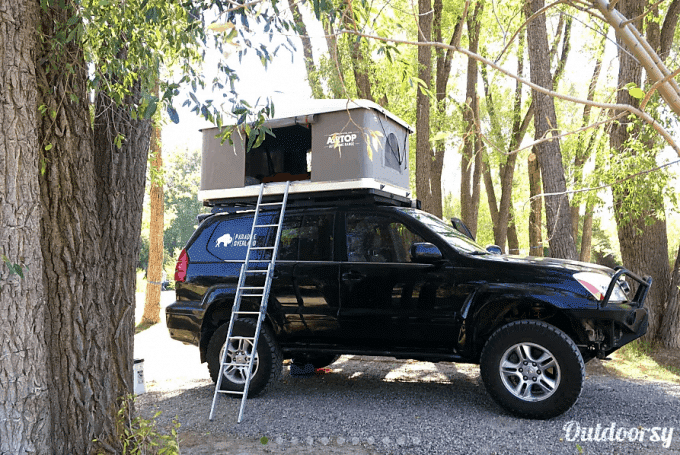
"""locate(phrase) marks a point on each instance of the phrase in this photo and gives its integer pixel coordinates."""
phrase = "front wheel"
(267, 364)
(532, 369)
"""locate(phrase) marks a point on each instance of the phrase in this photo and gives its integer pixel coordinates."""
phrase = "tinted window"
(307, 238)
(376, 238)
(229, 240)
(446, 232)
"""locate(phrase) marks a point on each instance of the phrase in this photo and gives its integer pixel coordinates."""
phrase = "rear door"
(305, 285)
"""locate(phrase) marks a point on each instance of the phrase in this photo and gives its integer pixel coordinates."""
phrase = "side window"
(376, 238)
(307, 238)
(229, 240)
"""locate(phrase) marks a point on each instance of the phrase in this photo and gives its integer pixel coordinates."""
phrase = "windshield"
(447, 232)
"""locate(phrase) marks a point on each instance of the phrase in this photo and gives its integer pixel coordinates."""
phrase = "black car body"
(395, 281)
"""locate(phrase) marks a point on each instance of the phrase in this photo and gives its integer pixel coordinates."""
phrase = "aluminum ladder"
(244, 290)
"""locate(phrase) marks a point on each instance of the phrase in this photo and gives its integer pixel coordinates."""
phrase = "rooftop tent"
(322, 142)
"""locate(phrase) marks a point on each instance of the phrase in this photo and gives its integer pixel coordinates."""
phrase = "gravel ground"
(367, 405)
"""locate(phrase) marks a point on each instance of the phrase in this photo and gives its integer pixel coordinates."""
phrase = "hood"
(554, 263)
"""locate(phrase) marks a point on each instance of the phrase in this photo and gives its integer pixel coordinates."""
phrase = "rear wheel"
(267, 364)
(532, 369)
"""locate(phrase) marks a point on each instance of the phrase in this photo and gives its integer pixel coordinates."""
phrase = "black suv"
(390, 280)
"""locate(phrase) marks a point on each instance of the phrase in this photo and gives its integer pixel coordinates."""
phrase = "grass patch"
(643, 360)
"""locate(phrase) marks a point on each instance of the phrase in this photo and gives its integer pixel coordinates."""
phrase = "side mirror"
(425, 253)
(494, 249)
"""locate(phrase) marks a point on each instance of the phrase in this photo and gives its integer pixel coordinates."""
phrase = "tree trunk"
(669, 333)
(312, 74)
(536, 215)
(83, 399)
(423, 148)
(642, 237)
(25, 421)
(121, 177)
(358, 52)
(336, 82)
(471, 160)
(154, 273)
(558, 215)
(587, 237)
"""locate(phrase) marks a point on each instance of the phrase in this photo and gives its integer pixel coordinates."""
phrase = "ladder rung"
(251, 287)
(231, 364)
(266, 225)
(269, 204)
(235, 392)
(246, 312)
(255, 271)
(236, 337)
(261, 248)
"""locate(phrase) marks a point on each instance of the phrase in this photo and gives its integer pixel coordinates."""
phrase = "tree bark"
(642, 237)
(312, 74)
(536, 215)
(25, 421)
(423, 148)
(361, 66)
(471, 159)
(154, 273)
(558, 215)
(670, 327)
(587, 237)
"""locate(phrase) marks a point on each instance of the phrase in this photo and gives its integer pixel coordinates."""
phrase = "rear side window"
(229, 240)
(307, 238)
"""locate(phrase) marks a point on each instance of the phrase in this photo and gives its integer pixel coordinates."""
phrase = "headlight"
(597, 284)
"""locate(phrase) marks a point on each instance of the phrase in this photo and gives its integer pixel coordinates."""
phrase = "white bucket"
(138, 376)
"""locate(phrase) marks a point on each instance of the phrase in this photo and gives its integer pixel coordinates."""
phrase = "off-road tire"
(270, 361)
(529, 393)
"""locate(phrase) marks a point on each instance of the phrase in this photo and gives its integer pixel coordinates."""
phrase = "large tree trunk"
(83, 399)
(471, 159)
(120, 180)
(669, 333)
(644, 246)
(423, 148)
(154, 273)
(557, 211)
(25, 386)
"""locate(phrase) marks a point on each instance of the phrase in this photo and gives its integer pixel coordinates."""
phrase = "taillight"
(181, 267)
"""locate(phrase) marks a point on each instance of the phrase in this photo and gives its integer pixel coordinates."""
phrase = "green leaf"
(264, 440)
(636, 92)
(172, 113)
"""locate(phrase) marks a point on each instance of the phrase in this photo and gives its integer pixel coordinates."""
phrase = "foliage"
(14, 269)
(139, 436)
(183, 178)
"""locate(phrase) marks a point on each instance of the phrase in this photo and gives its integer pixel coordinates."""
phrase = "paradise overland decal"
(238, 240)
(346, 139)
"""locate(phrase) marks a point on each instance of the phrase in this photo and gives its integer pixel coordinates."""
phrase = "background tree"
(154, 272)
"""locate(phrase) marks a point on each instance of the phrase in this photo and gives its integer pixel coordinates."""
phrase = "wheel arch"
(218, 304)
(493, 310)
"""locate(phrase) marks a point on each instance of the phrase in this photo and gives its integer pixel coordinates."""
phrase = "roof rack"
(306, 194)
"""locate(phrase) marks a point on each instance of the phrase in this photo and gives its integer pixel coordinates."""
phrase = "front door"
(386, 300)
